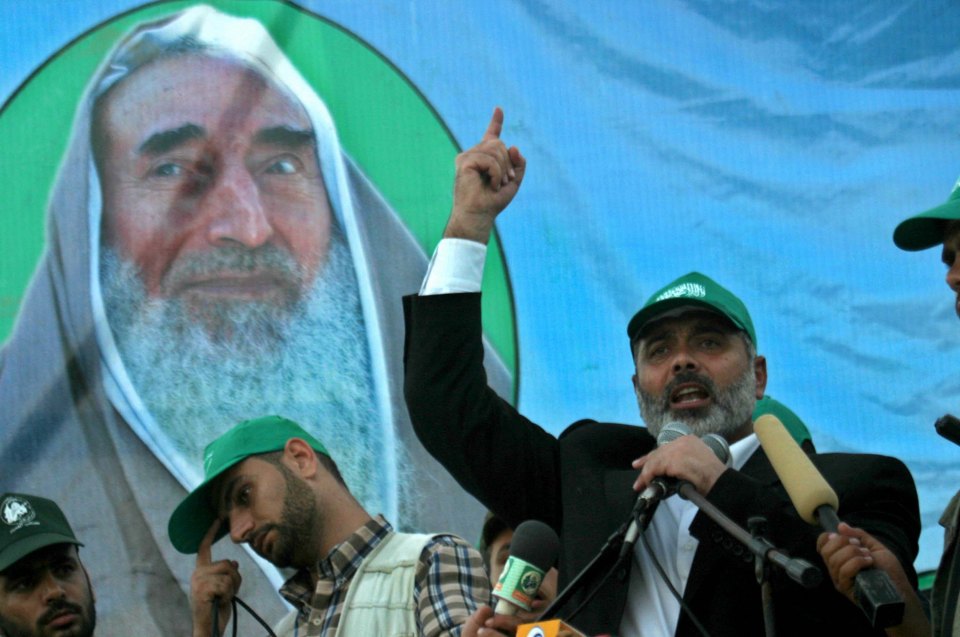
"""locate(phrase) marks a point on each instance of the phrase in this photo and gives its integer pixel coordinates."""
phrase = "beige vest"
(380, 598)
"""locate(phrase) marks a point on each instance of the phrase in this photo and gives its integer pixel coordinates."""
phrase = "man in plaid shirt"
(269, 484)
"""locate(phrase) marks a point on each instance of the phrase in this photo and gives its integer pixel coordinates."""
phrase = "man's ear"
(93, 593)
(300, 457)
(760, 373)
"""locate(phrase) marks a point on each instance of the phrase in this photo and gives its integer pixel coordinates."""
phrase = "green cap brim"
(19, 550)
(925, 230)
(193, 517)
(650, 314)
(694, 291)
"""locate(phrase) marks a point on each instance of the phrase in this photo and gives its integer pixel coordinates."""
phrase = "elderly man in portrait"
(212, 252)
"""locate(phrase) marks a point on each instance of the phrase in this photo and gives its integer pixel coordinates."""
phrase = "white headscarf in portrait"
(246, 41)
(75, 428)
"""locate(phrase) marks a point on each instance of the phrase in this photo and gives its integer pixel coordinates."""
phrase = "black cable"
(215, 616)
(593, 593)
(673, 590)
(215, 619)
(266, 627)
(616, 565)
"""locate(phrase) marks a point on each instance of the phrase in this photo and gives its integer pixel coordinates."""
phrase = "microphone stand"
(765, 553)
(800, 571)
(757, 526)
(610, 546)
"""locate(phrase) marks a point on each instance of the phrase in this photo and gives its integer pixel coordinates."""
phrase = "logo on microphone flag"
(548, 628)
(519, 582)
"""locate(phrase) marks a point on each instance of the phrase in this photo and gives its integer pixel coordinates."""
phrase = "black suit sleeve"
(507, 462)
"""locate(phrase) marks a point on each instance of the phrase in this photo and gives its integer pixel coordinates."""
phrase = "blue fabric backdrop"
(773, 144)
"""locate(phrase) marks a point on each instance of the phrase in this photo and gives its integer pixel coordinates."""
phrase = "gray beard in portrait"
(307, 360)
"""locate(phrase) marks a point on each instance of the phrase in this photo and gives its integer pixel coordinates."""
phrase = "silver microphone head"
(719, 446)
(671, 431)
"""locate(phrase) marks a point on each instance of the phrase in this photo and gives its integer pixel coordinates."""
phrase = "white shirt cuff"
(456, 266)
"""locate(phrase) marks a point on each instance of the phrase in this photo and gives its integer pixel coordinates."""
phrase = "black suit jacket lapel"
(758, 467)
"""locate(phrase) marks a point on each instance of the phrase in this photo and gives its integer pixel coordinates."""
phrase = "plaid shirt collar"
(339, 566)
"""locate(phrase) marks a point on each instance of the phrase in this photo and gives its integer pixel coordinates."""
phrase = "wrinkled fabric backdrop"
(771, 144)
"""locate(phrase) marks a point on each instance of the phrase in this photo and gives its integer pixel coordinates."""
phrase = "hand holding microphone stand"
(622, 540)
(765, 554)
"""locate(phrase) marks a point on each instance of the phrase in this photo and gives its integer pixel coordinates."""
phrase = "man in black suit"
(694, 348)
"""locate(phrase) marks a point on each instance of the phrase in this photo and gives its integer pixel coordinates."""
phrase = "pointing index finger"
(495, 125)
(204, 551)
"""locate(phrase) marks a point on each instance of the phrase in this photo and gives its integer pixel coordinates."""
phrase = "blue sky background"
(770, 144)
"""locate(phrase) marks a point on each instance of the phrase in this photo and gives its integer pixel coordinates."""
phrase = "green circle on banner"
(378, 112)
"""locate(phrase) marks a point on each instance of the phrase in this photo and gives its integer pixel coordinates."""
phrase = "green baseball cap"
(193, 517)
(791, 421)
(925, 230)
(29, 523)
(692, 290)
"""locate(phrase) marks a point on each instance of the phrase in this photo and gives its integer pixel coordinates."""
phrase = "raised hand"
(212, 583)
(488, 177)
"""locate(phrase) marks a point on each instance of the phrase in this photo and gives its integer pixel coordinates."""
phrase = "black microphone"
(533, 551)
(949, 427)
(663, 487)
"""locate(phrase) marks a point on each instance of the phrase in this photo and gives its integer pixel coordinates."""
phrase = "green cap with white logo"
(694, 291)
(195, 515)
(29, 523)
(925, 230)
